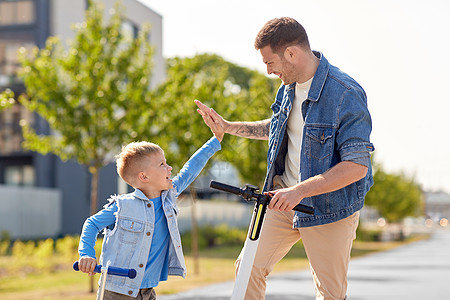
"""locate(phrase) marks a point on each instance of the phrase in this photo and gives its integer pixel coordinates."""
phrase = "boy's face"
(157, 173)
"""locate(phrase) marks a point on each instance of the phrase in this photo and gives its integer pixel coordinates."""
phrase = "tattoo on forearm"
(266, 129)
(256, 130)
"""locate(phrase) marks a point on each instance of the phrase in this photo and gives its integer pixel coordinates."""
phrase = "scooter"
(249, 193)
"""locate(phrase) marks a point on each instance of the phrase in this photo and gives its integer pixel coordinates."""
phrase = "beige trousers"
(327, 247)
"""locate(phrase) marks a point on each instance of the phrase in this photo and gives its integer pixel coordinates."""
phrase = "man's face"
(278, 65)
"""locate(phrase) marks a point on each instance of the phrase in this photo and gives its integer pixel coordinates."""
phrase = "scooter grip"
(225, 187)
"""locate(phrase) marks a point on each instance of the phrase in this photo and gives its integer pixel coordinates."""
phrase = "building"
(41, 195)
(437, 206)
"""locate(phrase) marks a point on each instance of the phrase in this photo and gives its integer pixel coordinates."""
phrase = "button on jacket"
(337, 126)
(127, 243)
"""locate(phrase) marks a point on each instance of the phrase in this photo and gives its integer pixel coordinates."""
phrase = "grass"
(216, 265)
(64, 284)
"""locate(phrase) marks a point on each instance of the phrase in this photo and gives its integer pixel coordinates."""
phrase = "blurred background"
(72, 84)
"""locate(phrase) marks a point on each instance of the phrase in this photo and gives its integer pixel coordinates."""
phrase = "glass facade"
(17, 29)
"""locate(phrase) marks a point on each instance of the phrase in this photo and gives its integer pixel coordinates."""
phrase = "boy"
(141, 230)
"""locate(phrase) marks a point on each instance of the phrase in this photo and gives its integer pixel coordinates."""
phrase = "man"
(319, 154)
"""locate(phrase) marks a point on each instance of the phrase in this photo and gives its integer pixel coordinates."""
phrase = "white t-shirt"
(291, 175)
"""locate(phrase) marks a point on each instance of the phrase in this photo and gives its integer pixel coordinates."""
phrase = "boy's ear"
(142, 177)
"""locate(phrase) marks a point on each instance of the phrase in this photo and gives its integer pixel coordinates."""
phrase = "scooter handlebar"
(130, 273)
(238, 191)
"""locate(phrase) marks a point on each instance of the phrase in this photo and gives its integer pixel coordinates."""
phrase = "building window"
(17, 12)
(11, 137)
(22, 175)
(129, 31)
(9, 62)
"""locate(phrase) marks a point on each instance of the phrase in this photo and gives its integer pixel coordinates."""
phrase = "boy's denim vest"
(127, 244)
(337, 128)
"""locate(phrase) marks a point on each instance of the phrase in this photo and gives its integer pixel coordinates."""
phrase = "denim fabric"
(337, 128)
(127, 242)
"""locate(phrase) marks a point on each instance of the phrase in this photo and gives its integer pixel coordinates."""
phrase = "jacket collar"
(139, 194)
(319, 77)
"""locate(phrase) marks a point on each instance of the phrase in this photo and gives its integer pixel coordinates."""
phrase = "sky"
(398, 50)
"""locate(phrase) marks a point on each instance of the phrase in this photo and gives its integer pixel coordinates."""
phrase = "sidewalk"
(418, 271)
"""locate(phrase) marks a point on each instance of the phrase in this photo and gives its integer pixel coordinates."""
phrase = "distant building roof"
(437, 198)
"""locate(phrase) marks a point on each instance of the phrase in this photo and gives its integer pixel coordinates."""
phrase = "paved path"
(418, 271)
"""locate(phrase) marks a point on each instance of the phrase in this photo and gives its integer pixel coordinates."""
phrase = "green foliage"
(210, 236)
(5, 236)
(4, 247)
(235, 92)
(23, 249)
(22, 252)
(394, 196)
(368, 235)
(43, 254)
(67, 247)
(6, 99)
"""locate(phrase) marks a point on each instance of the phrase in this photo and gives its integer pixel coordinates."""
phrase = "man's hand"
(258, 130)
(213, 115)
(284, 199)
(212, 119)
(87, 265)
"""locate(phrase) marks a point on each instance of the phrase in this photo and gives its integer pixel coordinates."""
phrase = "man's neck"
(310, 65)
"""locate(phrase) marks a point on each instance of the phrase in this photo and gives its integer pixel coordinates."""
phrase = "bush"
(4, 247)
(5, 242)
(23, 249)
(209, 236)
(43, 255)
(40, 256)
(67, 247)
(5, 236)
(368, 235)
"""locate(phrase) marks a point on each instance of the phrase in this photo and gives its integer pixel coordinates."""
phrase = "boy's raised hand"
(214, 121)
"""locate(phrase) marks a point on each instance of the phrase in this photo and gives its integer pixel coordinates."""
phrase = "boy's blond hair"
(131, 157)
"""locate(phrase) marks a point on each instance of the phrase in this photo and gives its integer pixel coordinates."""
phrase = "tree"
(90, 92)
(236, 92)
(394, 196)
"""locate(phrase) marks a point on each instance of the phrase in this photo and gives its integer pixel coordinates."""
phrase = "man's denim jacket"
(127, 244)
(337, 128)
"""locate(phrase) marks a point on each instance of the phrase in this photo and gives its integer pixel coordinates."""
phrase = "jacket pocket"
(130, 230)
(319, 142)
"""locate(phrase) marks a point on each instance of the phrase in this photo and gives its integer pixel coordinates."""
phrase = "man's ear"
(142, 177)
(290, 53)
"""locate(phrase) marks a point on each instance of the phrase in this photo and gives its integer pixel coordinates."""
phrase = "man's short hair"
(129, 160)
(280, 33)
